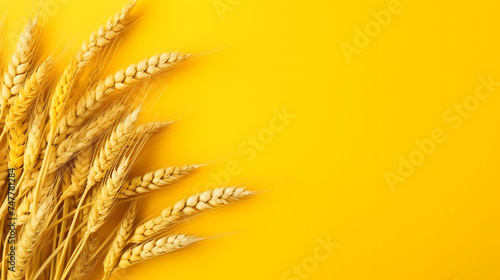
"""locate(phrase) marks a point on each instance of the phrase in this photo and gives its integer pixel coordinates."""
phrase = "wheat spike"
(78, 179)
(85, 136)
(113, 256)
(187, 208)
(18, 68)
(107, 196)
(104, 90)
(155, 248)
(155, 180)
(26, 97)
(35, 136)
(17, 145)
(30, 238)
(86, 260)
(26, 206)
(111, 147)
(15, 120)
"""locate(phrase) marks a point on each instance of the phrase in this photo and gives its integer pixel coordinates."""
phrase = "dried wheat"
(122, 80)
(186, 208)
(111, 147)
(155, 248)
(155, 180)
(113, 256)
(18, 68)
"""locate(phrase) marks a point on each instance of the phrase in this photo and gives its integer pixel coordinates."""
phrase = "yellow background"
(324, 173)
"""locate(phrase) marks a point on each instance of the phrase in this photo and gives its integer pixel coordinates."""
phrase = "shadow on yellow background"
(373, 125)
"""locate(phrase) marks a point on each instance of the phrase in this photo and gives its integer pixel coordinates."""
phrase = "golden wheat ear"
(155, 248)
(155, 180)
(17, 69)
(112, 85)
(120, 241)
(187, 208)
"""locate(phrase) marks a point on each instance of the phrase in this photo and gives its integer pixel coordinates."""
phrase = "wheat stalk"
(155, 180)
(155, 248)
(187, 208)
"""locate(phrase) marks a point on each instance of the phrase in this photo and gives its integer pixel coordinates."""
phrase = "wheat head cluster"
(69, 139)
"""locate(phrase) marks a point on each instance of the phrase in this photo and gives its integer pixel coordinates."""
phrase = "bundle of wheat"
(66, 149)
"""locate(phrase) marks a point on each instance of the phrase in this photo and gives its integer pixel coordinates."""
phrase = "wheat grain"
(155, 180)
(120, 241)
(187, 208)
(155, 248)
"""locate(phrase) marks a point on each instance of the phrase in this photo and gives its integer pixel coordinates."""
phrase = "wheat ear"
(34, 138)
(31, 237)
(155, 180)
(27, 205)
(111, 147)
(186, 208)
(81, 169)
(17, 145)
(15, 120)
(18, 68)
(85, 136)
(107, 196)
(146, 131)
(104, 90)
(27, 95)
(115, 250)
(86, 261)
(155, 248)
